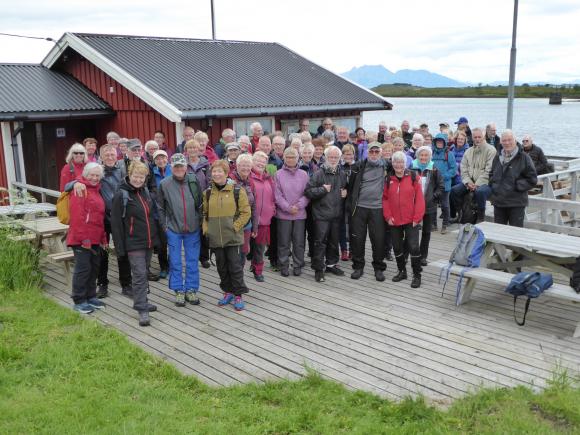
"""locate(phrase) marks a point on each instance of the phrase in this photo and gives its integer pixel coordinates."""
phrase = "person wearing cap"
(134, 152)
(463, 125)
(179, 200)
(444, 162)
(475, 169)
(366, 185)
(433, 188)
(424, 129)
(161, 170)
(232, 151)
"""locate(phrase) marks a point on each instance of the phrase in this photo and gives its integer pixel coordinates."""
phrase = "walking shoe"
(424, 262)
(192, 297)
(144, 318)
(389, 256)
(284, 272)
(400, 276)
(416, 281)
(357, 274)
(127, 291)
(103, 291)
(95, 303)
(297, 271)
(259, 278)
(319, 276)
(179, 299)
(379, 275)
(226, 300)
(163, 274)
(205, 264)
(151, 308)
(239, 304)
(83, 308)
(444, 229)
(344, 255)
(335, 270)
(152, 277)
(274, 267)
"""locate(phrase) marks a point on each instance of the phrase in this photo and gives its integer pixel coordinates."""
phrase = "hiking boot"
(297, 271)
(356, 274)
(226, 300)
(151, 308)
(389, 256)
(127, 291)
(83, 308)
(335, 270)
(285, 272)
(144, 318)
(95, 303)
(192, 297)
(444, 229)
(179, 299)
(152, 277)
(344, 255)
(400, 276)
(416, 280)
(424, 262)
(205, 264)
(239, 304)
(379, 275)
(319, 276)
(259, 278)
(103, 291)
(163, 274)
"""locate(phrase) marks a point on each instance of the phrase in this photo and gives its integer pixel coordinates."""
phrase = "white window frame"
(259, 119)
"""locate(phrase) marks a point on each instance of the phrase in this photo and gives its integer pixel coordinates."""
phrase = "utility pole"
(510, 108)
(212, 21)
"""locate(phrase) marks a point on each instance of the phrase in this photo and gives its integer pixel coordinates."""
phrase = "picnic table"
(27, 209)
(509, 248)
(47, 229)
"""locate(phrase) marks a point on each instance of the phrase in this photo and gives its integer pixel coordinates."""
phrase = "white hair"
(254, 125)
(90, 166)
(419, 136)
(331, 148)
(228, 132)
(328, 135)
(289, 151)
(509, 132)
(305, 136)
(151, 143)
(399, 156)
(113, 134)
(76, 147)
(243, 158)
(293, 136)
(244, 139)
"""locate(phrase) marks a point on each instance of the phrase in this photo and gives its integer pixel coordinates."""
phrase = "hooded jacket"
(179, 203)
(135, 230)
(403, 200)
(87, 217)
(290, 185)
(326, 205)
(444, 161)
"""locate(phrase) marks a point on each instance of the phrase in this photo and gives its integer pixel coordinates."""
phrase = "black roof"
(34, 89)
(201, 75)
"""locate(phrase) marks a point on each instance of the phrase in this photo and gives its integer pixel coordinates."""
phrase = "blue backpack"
(467, 253)
(530, 284)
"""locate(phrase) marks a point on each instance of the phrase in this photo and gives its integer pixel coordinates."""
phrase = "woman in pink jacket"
(263, 189)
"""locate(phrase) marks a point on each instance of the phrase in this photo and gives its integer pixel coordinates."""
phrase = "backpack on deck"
(530, 284)
(575, 278)
(468, 212)
(468, 251)
(63, 203)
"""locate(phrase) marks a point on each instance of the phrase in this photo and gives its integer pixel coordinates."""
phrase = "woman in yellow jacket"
(226, 210)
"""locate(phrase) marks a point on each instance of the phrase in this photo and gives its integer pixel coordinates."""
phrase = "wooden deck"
(386, 338)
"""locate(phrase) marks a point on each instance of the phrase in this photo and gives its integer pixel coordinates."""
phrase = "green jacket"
(223, 222)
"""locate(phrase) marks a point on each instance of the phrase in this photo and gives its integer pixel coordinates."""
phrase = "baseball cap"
(374, 145)
(231, 145)
(462, 120)
(444, 124)
(178, 159)
(134, 143)
(159, 153)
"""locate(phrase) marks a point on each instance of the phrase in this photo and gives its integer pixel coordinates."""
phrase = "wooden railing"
(44, 193)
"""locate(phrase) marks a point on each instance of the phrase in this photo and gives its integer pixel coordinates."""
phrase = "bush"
(19, 263)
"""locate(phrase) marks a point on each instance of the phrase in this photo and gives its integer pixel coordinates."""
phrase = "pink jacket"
(264, 194)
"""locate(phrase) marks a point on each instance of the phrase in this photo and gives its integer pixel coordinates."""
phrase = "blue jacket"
(458, 157)
(158, 176)
(444, 161)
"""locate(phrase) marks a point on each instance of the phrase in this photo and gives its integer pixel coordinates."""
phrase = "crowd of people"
(260, 196)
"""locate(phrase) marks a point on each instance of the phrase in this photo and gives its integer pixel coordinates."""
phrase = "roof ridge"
(169, 38)
(21, 64)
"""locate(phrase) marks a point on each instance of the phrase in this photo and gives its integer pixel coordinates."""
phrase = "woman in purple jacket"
(291, 212)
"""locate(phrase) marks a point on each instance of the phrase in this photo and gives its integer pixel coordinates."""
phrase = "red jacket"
(403, 201)
(210, 154)
(66, 175)
(87, 217)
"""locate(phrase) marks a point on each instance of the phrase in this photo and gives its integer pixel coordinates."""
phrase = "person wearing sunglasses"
(76, 160)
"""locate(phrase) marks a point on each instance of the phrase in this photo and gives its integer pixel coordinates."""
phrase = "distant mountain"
(374, 75)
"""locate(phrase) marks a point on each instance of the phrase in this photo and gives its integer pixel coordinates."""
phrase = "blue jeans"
(460, 190)
(191, 245)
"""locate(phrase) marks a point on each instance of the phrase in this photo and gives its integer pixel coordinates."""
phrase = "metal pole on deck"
(510, 108)
(212, 21)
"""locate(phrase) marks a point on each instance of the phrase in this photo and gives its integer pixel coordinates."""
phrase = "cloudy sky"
(465, 40)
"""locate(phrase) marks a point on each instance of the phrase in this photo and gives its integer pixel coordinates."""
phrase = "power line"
(27, 37)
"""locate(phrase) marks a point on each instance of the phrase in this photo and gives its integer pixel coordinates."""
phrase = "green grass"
(61, 374)
(523, 91)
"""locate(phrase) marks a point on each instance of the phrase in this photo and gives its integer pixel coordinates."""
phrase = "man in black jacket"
(537, 155)
(366, 185)
(512, 175)
(326, 191)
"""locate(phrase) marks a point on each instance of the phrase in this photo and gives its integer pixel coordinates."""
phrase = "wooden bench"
(472, 276)
(64, 259)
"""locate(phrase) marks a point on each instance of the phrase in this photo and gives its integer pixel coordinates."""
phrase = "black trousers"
(162, 248)
(204, 249)
(371, 218)
(426, 235)
(513, 216)
(122, 263)
(310, 229)
(273, 247)
(388, 239)
(230, 270)
(407, 235)
(84, 282)
(326, 235)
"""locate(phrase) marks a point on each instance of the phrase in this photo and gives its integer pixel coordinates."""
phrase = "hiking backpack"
(530, 284)
(467, 253)
(468, 212)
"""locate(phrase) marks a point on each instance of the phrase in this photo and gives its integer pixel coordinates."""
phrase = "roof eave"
(271, 111)
(146, 94)
(54, 115)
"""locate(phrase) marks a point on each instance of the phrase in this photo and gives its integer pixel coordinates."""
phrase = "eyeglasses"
(79, 153)
(526, 140)
(374, 151)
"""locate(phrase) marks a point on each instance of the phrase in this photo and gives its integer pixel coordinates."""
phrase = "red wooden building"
(137, 85)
